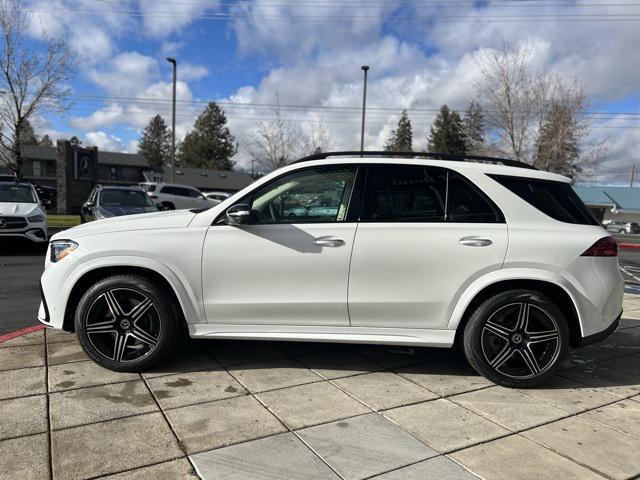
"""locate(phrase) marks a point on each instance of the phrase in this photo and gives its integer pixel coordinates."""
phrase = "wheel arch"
(555, 292)
(95, 274)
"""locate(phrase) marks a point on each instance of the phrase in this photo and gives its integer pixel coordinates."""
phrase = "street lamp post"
(365, 68)
(173, 120)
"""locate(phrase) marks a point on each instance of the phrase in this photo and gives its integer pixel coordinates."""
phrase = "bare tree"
(316, 139)
(32, 82)
(518, 102)
(275, 143)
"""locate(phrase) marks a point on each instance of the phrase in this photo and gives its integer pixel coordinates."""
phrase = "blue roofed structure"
(612, 204)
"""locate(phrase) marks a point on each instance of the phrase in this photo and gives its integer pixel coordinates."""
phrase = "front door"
(290, 265)
(425, 234)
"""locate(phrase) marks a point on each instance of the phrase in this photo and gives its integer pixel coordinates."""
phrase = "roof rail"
(434, 156)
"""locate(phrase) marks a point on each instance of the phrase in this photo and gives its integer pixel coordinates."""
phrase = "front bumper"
(34, 234)
(43, 311)
(598, 336)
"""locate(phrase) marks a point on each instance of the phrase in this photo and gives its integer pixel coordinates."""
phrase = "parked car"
(48, 196)
(220, 196)
(22, 214)
(107, 202)
(416, 249)
(623, 227)
(176, 197)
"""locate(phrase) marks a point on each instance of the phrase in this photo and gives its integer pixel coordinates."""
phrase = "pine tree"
(210, 143)
(401, 139)
(155, 143)
(46, 141)
(27, 134)
(447, 133)
(474, 128)
(558, 149)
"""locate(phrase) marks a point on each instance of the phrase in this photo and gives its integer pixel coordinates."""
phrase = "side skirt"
(384, 336)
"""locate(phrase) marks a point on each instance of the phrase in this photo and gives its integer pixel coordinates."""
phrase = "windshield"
(132, 198)
(17, 194)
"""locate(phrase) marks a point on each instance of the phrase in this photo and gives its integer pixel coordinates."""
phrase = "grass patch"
(63, 220)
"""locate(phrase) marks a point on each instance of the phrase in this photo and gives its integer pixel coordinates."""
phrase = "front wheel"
(517, 338)
(126, 324)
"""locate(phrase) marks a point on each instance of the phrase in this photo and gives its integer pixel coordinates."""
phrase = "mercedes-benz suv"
(407, 249)
(22, 214)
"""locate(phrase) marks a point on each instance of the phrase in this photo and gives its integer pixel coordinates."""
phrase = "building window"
(37, 168)
(113, 173)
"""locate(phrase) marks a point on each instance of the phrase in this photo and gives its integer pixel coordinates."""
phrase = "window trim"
(349, 216)
(368, 201)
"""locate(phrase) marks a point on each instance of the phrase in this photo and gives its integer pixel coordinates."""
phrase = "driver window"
(316, 195)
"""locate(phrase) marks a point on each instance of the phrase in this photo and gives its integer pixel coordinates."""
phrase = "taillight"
(153, 196)
(605, 247)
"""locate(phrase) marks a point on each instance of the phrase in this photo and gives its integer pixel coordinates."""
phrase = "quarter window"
(316, 195)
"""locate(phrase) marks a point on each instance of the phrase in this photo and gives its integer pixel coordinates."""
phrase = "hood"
(145, 221)
(119, 210)
(9, 209)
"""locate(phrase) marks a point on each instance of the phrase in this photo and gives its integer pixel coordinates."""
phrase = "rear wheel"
(517, 338)
(167, 206)
(126, 324)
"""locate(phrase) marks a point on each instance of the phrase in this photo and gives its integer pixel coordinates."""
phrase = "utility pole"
(633, 174)
(365, 69)
(173, 120)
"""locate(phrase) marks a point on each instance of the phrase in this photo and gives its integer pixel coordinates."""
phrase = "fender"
(505, 275)
(187, 298)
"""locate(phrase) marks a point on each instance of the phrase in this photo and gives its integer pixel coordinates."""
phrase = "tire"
(167, 206)
(126, 323)
(513, 349)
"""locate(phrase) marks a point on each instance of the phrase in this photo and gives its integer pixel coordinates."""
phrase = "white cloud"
(189, 71)
(104, 141)
(161, 19)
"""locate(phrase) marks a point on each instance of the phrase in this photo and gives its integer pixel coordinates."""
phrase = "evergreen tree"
(210, 143)
(27, 134)
(401, 139)
(46, 141)
(155, 143)
(447, 133)
(557, 147)
(474, 128)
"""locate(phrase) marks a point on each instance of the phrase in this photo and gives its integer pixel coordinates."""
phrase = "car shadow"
(21, 247)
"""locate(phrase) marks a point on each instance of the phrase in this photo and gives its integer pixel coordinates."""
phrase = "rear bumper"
(598, 336)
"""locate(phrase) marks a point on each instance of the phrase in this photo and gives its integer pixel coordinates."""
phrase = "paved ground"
(249, 410)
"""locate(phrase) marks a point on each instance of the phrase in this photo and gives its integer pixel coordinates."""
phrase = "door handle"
(475, 242)
(328, 241)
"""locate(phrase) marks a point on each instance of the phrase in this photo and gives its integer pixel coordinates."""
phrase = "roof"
(223, 180)
(620, 198)
(39, 152)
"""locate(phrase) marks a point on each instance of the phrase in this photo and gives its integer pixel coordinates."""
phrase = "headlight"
(36, 218)
(62, 248)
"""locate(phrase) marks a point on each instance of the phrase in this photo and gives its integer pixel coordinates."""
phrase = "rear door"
(424, 235)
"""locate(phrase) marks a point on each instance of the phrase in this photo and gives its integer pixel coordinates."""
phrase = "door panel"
(410, 275)
(276, 274)
(426, 234)
(290, 265)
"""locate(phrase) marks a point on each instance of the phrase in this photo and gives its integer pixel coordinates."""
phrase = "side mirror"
(89, 204)
(239, 214)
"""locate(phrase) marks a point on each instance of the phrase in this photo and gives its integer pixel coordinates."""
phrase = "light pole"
(365, 68)
(173, 120)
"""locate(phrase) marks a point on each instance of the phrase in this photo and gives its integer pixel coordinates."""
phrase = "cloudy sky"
(306, 56)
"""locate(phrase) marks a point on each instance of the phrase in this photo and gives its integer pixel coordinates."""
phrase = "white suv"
(22, 214)
(424, 250)
(176, 197)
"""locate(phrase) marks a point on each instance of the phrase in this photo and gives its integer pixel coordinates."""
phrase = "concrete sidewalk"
(254, 410)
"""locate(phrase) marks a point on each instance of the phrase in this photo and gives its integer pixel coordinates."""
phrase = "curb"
(629, 246)
(21, 332)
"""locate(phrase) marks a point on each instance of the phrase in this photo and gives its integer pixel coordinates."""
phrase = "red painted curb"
(629, 246)
(19, 333)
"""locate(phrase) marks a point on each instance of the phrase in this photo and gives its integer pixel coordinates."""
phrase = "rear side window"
(413, 193)
(556, 199)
